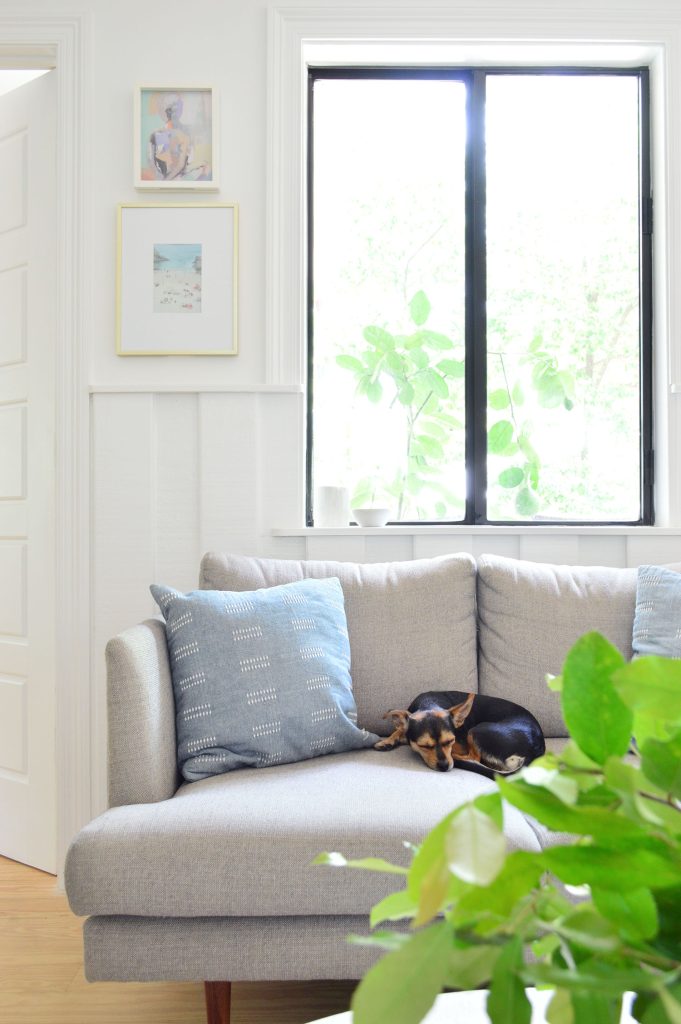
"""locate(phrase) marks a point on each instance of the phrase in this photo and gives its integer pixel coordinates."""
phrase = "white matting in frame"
(177, 279)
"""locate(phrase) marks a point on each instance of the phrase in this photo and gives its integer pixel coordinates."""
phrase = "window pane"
(563, 297)
(388, 313)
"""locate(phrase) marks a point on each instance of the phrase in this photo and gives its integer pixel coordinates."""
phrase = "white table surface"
(469, 1008)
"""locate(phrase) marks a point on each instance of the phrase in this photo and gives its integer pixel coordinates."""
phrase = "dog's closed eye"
(432, 746)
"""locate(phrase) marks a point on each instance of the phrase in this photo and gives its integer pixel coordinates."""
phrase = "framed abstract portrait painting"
(175, 136)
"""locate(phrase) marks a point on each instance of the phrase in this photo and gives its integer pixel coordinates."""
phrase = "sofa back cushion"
(411, 624)
(531, 614)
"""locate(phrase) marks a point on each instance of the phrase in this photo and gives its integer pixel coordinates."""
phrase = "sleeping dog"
(449, 728)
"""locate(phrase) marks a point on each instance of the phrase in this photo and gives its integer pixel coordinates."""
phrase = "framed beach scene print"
(177, 279)
(175, 137)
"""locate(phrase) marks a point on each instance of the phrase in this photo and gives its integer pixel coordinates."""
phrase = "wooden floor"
(42, 978)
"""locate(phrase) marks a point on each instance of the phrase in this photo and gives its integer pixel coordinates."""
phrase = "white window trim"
(614, 32)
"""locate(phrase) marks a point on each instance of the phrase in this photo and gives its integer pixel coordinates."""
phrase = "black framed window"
(479, 293)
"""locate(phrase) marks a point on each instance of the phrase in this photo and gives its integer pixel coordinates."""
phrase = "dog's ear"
(460, 712)
(400, 718)
(399, 734)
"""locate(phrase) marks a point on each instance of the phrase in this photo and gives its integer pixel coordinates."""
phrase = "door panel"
(27, 552)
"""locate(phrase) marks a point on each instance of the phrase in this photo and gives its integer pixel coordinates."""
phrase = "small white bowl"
(371, 516)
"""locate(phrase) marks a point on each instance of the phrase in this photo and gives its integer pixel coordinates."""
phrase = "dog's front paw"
(385, 744)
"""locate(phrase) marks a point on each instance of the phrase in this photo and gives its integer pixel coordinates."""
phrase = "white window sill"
(468, 530)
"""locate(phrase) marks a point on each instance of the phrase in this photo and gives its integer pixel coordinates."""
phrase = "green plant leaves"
(499, 399)
(406, 393)
(550, 809)
(401, 988)
(555, 781)
(661, 763)
(625, 820)
(428, 446)
(592, 977)
(379, 338)
(588, 930)
(429, 875)
(475, 847)
(435, 382)
(672, 1006)
(394, 907)
(652, 686)
(419, 308)
(665, 1009)
(350, 363)
(597, 719)
(507, 1002)
(560, 1009)
(495, 902)
(405, 370)
(511, 477)
(554, 387)
(499, 437)
(471, 966)
(612, 868)
(526, 503)
(633, 910)
(395, 364)
(374, 391)
(452, 367)
(595, 1008)
(337, 860)
(435, 340)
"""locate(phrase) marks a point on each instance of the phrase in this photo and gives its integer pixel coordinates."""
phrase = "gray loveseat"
(211, 880)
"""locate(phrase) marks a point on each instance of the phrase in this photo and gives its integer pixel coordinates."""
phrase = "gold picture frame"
(176, 279)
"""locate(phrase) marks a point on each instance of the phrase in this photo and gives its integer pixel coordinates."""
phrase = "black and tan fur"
(449, 728)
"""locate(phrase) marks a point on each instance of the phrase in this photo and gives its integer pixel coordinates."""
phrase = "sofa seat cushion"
(411, 624)
(530, 615)
(242, 843)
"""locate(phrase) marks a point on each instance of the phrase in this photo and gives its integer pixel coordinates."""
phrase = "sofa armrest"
(141, 709)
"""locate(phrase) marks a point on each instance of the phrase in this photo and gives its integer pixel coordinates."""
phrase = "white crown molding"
(510, 20)
(68, 38)
(195, 389)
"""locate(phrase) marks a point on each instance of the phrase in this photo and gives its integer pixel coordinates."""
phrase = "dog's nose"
(443, 767)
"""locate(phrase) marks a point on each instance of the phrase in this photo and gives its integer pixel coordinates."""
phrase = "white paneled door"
(27, 474)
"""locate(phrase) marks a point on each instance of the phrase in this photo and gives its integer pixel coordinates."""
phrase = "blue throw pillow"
(260, 677)
(657, 621)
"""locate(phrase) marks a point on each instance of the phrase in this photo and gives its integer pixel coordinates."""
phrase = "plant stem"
(411, 419)
(508, 390)
(666, 801)
(415, 254)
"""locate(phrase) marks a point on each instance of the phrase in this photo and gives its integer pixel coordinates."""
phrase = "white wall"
(178, 466)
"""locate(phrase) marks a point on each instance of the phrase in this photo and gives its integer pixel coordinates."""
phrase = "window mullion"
(476, 299)
(646, 310)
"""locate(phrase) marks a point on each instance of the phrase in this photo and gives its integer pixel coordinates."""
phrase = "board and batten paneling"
(174, 475)
(560, 547)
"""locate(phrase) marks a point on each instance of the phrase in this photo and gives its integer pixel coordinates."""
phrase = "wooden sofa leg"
(218, 999)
